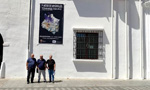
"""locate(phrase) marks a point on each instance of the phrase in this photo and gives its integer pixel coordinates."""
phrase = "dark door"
(1, 49)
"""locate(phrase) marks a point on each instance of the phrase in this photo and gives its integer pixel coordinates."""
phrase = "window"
(88, 44)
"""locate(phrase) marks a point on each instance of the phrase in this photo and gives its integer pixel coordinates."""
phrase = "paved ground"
(75, 84)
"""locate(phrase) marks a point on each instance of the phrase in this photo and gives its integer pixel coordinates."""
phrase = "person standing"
(1, 49)
(41, 65)
(30, 65)
(51, 68)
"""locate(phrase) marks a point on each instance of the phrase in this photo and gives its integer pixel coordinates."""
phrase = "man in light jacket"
(41, 65)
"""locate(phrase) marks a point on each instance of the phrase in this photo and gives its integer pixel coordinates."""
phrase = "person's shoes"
(44, 81)
(38, 81)
(53, 81)
(50, 81)
(27, 82)
(32, 82)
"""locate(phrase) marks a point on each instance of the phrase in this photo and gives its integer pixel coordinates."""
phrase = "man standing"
(30, 65)
(1, 49)
(41, 65)
(51, 68)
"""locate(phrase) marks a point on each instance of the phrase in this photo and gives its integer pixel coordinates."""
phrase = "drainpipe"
(29, 29)
(112, 50)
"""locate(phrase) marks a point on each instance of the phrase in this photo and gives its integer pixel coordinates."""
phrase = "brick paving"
(79, 84)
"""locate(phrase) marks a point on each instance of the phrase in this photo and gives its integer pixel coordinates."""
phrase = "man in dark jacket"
(1, 49)
(30, 65)
(51, 68)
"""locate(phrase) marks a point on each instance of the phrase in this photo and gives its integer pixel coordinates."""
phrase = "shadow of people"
(55, 81)
(58, 81)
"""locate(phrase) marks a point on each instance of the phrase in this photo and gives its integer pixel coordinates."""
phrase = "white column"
(126, 39)
(148, 44)
(141, 28)
(147, 33)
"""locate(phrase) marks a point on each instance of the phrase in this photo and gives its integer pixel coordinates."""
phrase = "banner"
(51, 23)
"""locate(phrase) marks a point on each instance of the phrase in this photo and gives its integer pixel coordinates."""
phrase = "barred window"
(88, 45)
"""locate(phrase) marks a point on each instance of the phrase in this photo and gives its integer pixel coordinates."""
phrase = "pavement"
(75, 84)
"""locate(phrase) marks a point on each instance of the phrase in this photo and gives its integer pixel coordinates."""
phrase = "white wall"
(14, 28)
(128, 39)
(14, 18)
(147, 36)
(135, 37)
(82, 13)
(119, 19)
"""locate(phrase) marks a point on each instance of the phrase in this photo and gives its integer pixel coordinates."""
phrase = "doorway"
(1, 49)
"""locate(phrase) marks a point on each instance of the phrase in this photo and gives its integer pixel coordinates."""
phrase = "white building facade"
(122, 42)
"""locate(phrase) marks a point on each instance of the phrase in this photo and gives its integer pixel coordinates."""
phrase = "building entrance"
(1, 49)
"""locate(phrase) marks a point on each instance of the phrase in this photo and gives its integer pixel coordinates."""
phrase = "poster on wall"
(51, 23)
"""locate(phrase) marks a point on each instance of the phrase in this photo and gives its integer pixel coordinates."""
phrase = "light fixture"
(147, 4)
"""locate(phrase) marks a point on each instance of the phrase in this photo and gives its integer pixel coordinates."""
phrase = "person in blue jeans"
(51, 68)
